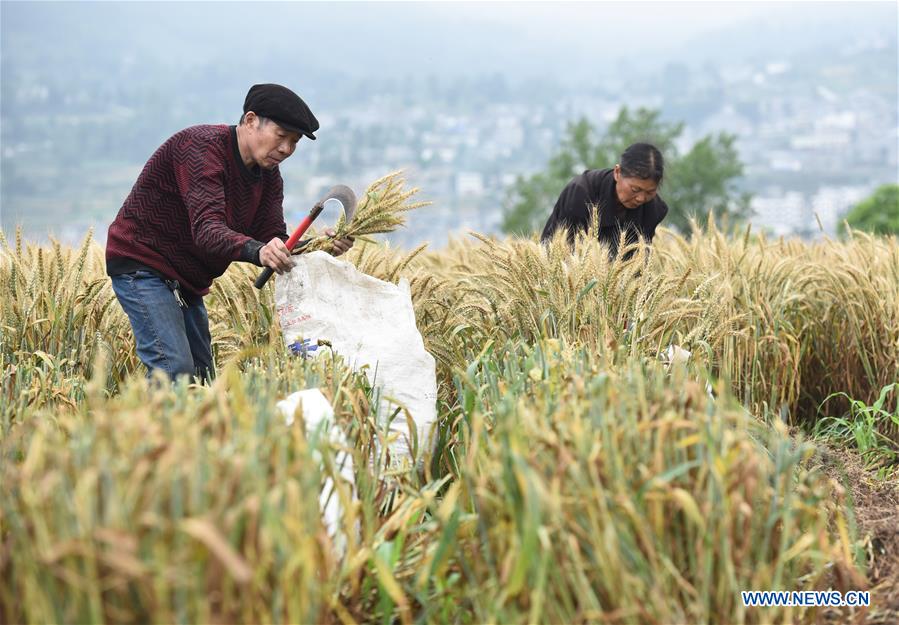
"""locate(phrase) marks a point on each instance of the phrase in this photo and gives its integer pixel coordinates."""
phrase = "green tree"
(695, 183)
(879, 213)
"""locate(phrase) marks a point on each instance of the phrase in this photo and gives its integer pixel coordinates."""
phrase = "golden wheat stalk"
(382, 209)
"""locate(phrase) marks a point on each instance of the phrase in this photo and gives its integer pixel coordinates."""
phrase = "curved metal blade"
(345, 196)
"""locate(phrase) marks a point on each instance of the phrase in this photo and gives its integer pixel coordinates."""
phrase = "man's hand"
(341, 246)
(275, 254)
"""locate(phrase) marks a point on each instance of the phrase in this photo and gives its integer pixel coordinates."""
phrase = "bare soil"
(876, 507)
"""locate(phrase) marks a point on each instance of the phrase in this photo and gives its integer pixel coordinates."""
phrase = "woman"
(626, 197)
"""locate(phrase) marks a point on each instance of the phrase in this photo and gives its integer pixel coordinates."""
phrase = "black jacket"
(597, 187)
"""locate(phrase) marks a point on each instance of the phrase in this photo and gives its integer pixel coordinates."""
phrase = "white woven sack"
(368, 322)
(318, 417)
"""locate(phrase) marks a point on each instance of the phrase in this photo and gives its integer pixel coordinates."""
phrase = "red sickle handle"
(301, 229)
(304, 225)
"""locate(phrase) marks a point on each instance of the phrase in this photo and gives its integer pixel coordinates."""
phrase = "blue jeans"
(171, 335)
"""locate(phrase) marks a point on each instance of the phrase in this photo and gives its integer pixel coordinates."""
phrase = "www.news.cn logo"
(805, 598)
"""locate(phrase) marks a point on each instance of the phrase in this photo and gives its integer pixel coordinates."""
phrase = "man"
(626, 197)
(210, 195)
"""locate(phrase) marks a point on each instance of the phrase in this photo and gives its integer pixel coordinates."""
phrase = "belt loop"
(175, 287)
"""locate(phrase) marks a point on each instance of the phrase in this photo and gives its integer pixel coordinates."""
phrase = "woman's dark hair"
(643, 160)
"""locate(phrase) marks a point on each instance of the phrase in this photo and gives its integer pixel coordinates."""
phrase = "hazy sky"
(70, 67)
(569, 40)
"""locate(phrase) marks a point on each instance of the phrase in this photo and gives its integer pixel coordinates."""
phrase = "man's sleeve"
(269, 221)
(569, 212)
(200, 176)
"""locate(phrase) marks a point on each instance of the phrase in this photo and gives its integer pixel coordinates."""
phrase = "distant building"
(727, 119)
(469, 183)
(782, 214)
(832, 203)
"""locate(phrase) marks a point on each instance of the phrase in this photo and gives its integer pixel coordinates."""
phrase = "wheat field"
(577, 476)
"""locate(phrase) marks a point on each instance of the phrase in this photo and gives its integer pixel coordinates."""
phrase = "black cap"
(282, 106)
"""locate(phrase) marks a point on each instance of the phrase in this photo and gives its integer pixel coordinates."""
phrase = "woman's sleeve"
(657, 216)
(569, 212)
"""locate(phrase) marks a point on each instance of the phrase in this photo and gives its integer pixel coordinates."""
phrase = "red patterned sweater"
(194, 209)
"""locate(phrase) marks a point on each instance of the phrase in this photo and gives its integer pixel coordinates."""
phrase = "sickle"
(345, 196)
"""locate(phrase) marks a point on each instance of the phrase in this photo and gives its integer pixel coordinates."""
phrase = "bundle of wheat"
(382, 209)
